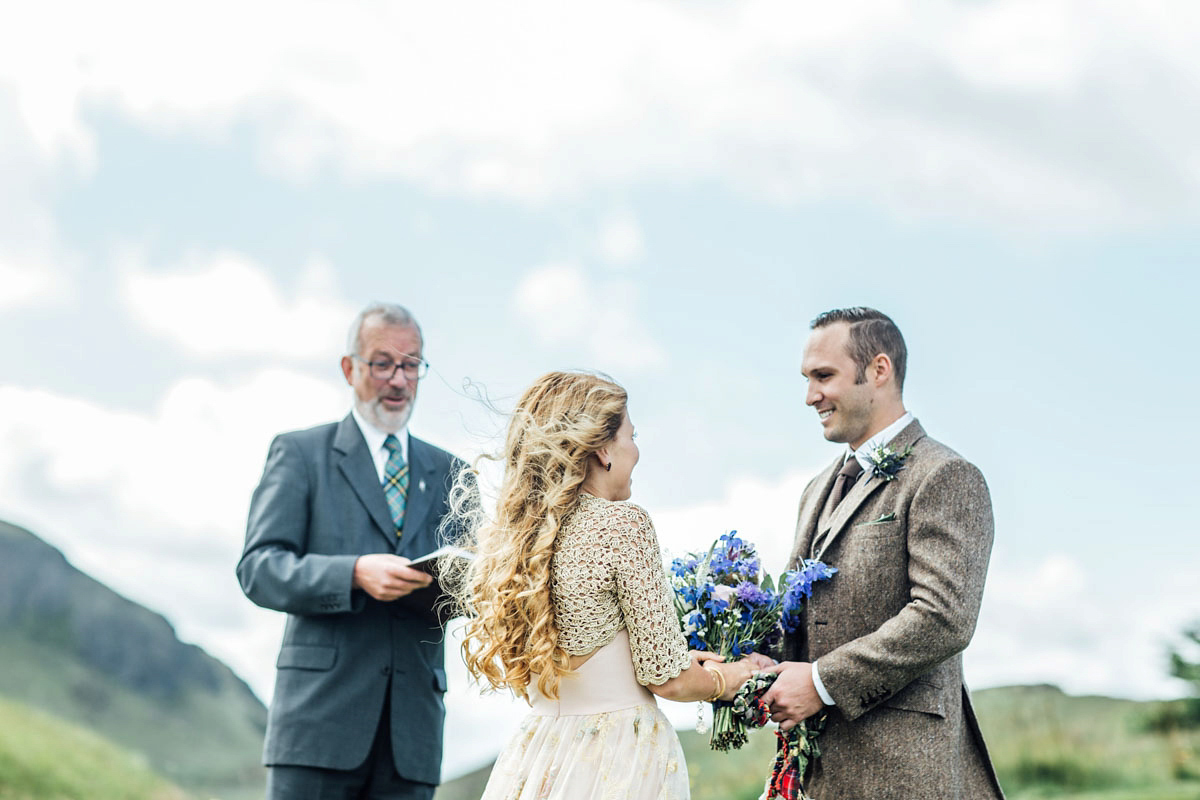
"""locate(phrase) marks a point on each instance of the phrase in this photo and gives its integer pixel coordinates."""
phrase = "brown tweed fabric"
(890, 628)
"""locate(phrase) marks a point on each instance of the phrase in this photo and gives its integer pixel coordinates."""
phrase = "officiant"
(338, 515)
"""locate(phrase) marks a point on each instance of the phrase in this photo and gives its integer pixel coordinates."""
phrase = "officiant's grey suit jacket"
(889, 628)
(318, 507)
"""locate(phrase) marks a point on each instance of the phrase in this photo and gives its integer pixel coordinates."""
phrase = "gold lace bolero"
(608, 574)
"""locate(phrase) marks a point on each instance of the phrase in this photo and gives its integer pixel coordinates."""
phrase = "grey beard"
(386, 421)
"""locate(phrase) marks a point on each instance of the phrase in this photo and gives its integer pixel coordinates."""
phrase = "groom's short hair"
(871, 333)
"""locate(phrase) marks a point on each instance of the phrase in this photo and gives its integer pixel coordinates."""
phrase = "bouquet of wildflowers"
(796, 749)
(726, 606)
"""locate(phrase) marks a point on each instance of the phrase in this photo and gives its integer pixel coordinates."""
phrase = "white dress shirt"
(881, 438)
(375, 439)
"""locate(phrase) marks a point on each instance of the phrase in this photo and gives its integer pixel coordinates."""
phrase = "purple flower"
(754, 596)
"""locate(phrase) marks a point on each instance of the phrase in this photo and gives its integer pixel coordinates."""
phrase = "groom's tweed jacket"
(890, 627)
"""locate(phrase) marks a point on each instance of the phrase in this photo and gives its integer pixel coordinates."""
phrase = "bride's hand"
(701, 656)
(736, 673)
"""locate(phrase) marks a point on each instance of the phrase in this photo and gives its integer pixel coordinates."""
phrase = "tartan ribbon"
(796, 750)
(395, 482)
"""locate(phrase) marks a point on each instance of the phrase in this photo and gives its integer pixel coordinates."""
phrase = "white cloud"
(32, 263)
(28, 280)
(226, 304)
(188, 467)
(567, 309)
(763, 512)
(554, 300)
(1088, 631)
(621, 241)
(1007, 109)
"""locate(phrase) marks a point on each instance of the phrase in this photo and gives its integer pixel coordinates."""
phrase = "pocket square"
(888, 517)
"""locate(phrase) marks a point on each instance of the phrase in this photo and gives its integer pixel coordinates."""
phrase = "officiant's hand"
(793, 697)
(387, 577)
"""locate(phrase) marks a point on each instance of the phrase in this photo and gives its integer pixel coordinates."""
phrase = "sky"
(196, 200)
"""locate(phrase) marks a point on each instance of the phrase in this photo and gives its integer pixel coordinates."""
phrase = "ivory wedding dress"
(604, 736)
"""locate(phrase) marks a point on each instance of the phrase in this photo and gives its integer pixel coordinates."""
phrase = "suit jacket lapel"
(806, 524)
(420, 496)
(358, 467)
(868, 485)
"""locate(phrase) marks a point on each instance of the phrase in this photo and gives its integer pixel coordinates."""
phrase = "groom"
(880, 644)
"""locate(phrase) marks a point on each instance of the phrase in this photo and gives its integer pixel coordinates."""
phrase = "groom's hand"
(760, 661)
(387, 577)
(793, 697)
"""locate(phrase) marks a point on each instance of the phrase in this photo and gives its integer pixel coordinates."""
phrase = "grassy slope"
(203, 741)
(44, 758)
(1045, 744)
(1049, 744)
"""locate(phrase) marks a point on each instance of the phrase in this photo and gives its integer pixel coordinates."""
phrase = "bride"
(570, 608)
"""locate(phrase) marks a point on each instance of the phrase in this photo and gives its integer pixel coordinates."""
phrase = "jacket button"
(385, 671)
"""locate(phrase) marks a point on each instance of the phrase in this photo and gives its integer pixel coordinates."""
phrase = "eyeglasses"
(384, 369)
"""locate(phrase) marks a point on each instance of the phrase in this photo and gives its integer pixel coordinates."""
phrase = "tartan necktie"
(395, 482)
(845, 480)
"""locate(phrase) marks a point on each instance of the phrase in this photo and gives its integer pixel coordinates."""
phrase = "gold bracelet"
(718, 682)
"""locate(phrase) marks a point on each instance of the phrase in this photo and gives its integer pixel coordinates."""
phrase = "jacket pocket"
(877, 531)
(306, 656)
(919, 696)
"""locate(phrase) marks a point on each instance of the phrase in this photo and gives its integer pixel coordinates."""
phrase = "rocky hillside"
(78, 650)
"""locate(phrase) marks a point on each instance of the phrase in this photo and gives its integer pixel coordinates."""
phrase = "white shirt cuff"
(824, 695)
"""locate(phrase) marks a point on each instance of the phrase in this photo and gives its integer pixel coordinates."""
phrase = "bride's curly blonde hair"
(511, 636)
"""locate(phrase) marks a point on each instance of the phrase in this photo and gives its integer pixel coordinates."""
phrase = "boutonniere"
(885, 462)
(889, 517)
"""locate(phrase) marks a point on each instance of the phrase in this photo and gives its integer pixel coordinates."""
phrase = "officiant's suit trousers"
(351, 668)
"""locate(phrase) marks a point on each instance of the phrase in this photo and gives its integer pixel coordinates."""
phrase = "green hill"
(1045, 744)
(76, 649)
(44, 758)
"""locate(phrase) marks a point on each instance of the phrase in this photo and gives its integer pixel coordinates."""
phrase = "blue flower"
(693, 622)
(690, 595)
(684, 566)
(716, 604)
(798, 588)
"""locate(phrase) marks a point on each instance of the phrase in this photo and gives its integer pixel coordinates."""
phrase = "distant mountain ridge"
(77, 649)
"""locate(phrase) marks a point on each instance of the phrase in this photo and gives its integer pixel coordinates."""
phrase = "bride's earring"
(608, 467)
